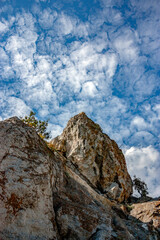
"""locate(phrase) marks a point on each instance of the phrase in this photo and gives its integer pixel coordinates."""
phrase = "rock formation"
(95, 156)
(26, 203)
(147, 212)
(46, 194)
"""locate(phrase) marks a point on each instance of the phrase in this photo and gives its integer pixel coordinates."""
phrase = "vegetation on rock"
(140, 186)
(38, 125)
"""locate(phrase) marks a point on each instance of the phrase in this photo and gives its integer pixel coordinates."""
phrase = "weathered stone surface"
(147, 212)
(77, 213)
(42, 197)
(96, 157)
(26, 206)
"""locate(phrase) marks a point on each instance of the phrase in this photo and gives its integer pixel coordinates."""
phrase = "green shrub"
(38, 125)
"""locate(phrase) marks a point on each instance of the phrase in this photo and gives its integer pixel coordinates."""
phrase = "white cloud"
(23, 44)
(43, 111)
(112, 15)
(126, 47)
(142, 138)
(100, 42)
(54, 129)
(152, 113)
(81, 29)
(144, 163)
(13, 106)
(44, 64)
(91, 65)
(156, 108)
(89, 89)
(47, 18)
(65, 24)
(14, 43)
(139, 122)
(3, 56)
(40, 94)
(21, 47)
(149, 82)
(144, 128)
(82, 63)
(5, 68)
(112, 64)
(148, 30)
(3, 27)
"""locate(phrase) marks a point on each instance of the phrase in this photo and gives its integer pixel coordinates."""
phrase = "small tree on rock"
(140, 186)
(38, 125)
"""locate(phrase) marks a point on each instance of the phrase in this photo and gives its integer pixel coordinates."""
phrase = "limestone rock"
(26, 205)
(43, 198)
(147, 212)
(95, 156)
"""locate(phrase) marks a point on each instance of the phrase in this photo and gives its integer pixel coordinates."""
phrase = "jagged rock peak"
(82, 118)
(95, 156)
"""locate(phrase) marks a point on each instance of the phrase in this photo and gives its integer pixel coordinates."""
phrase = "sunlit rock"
(96, 157)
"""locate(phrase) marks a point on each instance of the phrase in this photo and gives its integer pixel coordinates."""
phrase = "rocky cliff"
(95, 156)
(47, 194)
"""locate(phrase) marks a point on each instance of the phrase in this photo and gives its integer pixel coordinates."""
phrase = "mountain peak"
(95, 156)
(80, 117)
(81, 114)
(83, 120)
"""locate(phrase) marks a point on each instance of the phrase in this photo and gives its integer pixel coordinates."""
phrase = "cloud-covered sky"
(59, 58)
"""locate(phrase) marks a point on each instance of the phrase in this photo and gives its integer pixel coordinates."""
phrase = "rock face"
(147, 212)
(95, 156)
(43, 197)
(26, 205)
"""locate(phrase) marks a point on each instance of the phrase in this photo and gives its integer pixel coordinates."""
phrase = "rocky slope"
(95, 156)
(46, 194)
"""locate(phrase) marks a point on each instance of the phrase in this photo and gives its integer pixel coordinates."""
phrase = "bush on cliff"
(38, 125)
(140, 186)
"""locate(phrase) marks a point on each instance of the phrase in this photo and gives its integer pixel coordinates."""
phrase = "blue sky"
(59, 58)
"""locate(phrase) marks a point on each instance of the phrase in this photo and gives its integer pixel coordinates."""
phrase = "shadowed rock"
(43, 196)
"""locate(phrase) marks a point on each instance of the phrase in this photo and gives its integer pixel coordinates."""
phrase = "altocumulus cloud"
(101, 57)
